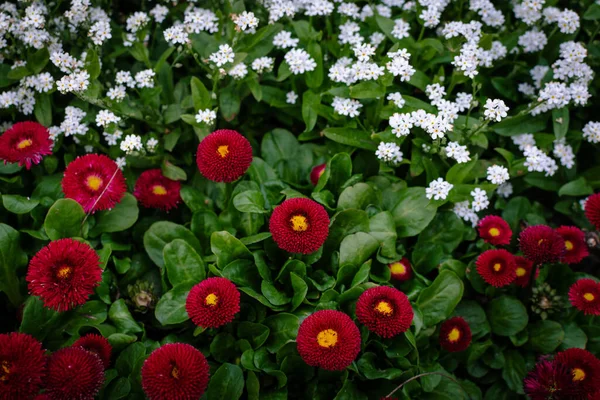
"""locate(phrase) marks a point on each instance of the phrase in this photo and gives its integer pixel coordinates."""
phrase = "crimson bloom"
(22, 366)
(299, 225)
(25, 143)
(550, 380)
(316, 173)
(328, 339)
(64, 273)
(175, 371)
(74, 373)
(575, 246)
(154, 190)
(495, 230)
(592, 209)
(523, 271)
(585, 296)
(584, 368)
(385, 311)
(98, 345)
(401, 271)
(94, 181)
(496, 267)
(224, 156)
(455, 334)
(213, 302)
(541, 244)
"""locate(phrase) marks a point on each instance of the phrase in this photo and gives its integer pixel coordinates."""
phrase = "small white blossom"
(151, 144)
(505, 190)
(564, 153)
(389, 152)
(121, 162)
(116, 93)
(245, 21)
(131, 143)
(263, 64)
(299, 61)
(159, 12)
(100, 32)
(438, 189)
(495, 110)
(591, 132)
(105, 118)
(397, 99)
(480, 200)
(207, 116)
(238, 71)
(497, 174)
(459, 153)
(463, 210)
(291, 97)
(145, 78)
(348, 107)
(223, 56)
(283, 40)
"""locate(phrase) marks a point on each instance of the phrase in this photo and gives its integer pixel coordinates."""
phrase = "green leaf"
(310, 103)
(163, 232)
(284, 329)
(522, 124)
(574, 337)
(119, 218)
(545, 336)
(172, 171)
(358, 196)
(228, 248)
(458, 172)
(507, 316)
(226, 384)
(229, 102)
(273, 294)
(592, 13)
(578, 187)
(64, 219)
(200, 95)
(514, 370)
(18, 73)
(256, 334)
(506, 87)
(367, 90)
(18, 204)
(251, 201)
(242, 273)
(560, 122)
(314, 78)
(170, 309)
(337, 171)
(412, 211)
(357, 248)
(474, 314)
(92, 64)
(351, 137)
(300, 289)
(43, 109)
(121, 317)
(439, 300)
(36, 317)
(183, 264)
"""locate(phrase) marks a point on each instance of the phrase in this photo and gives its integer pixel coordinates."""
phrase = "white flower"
(263, 64)
(348, 107)
(100, 32)
(399, 66)
(464, 101)
(105, 118)
(145, 78)
(207, 116)
(223, 56)
(583, 202)
(523, 140)
(291, 97)
(299, 61)
(176, 35)
(568, 21)
(125, 78)
(538, 161)
(376, 38)
(505, 190)
(480, 200)
(591, 132)
(72, 124)
(401, 29)
(533, 41)
(464, 211)
(438, 189)
(397, 99)
(131, 143)
(246, 21)
(159, 12)
(497, 174)
(495, 110)
(136, 21)
(389, 152)
(564, 153)
(460, 153)
(121, 162)
(283, 40)
(116, 93)
(364, 51)
(435, 92)
(151, 144)
(401, 124)
(238, 71)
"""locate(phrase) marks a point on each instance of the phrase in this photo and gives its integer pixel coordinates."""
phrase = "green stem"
(594, 34)
(427, 374)
(421, 33)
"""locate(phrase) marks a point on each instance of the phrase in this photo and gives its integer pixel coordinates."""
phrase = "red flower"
(154, 190)
(455, 334)
(94, 181)
(213, 302)
(495, 230)
(64, 274)
(22, 366)
(585, 296)
(224, 156)
(401, 270)
(575, 246)
(74, 373)
(25, 143)
(316, 173)
(175, 371)
(328, 339)
(592, 209)
(523, 271)
(299, 225)
(497, 267)
(550, 380)
(584, 368)
(541, 244)
(98, 345)
(385, 311)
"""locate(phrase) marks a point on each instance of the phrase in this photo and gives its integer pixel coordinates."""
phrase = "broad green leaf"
(119, 218)
(560, 122)
(351, 137)
(18, 204)
(170, 309)
(226, 384)
(514, 370)
(121, 317)
(163, 232)
(545, 336)
(64, 220)
(578, 187)
(412, 211)
(284, 328)
(357, 248)
(507, 315)
(228, 248)
(182, 263)
(512, 126)
(200, 95)
(437, 302)
(251, 201)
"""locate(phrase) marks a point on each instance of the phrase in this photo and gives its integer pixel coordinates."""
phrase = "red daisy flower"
(328, 339)
(316, 173)
(64, 273)
(541, 244)
(523, 271)
(592, 209)
(299, 225)
(550, 380)
(74, 373)
(385, 311)
(495, 230)
(401, 271)
(455, 334)
(22, 366)
(575, 246)
(224, 156)
(213, 302)
(584, 368)
(25, 143)
(585, 296)
(96, 344)
(42, 396)
(497, 267)
(154, 190)
(175, 371)
(94, 181)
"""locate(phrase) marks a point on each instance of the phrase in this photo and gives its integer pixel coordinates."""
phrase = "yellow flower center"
(454, 335)
(578, 374)
(299, 223)
(385, 308)
(175, 372)
(327, 338)
(568, 245)
(494, 232)
(211, 299)
(223, 150)
(159, 190)
(23, 144)
(64, 272)
(521, 271)
(397, 268)
(589, 297)
(94, 182)
(540, 242)
(497, 267)
(4, 370)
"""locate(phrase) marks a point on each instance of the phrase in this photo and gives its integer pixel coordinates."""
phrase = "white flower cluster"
(131, 143)
(399, 65)
(495, 110)
(389, 152)
(284, 40)
(223, 56)
(536, 159)
(196, 20)
(348, 71)
(100, 32)
(112, 138)
(207, 116)
(480, 200)
(300, 61)
(105, 118)
(263, 64)
(43, 82)
(72, 124)
(497, 174)
(459, 153)
(238, 71)
(591, 132)
(396, 97)
(347, 107)
(151, 145)
(145, 79)
(463, 210)
(505, 190)
(246, 21)
(22, 98)
(488, 13)
(438, 189)
(564, 153)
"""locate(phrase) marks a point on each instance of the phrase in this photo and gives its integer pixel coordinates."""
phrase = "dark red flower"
(497, 267)
(551, 381)
(575, 246)
(592, 209)
(224, 156)
(74, 373)
(495, 230)
(523, 271)
(455, 334)
(385, 311)
(175, 371)
(584, 368)
(401, 270)
(328, 339)
(316, 173)
(96, 344)
(94, 181)
(22, 366)
(25, 143)
(42, 396)
(213, 302)
(64, 273)
(299, 225)
(541, 244)
(585, 296)
(153, 190)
